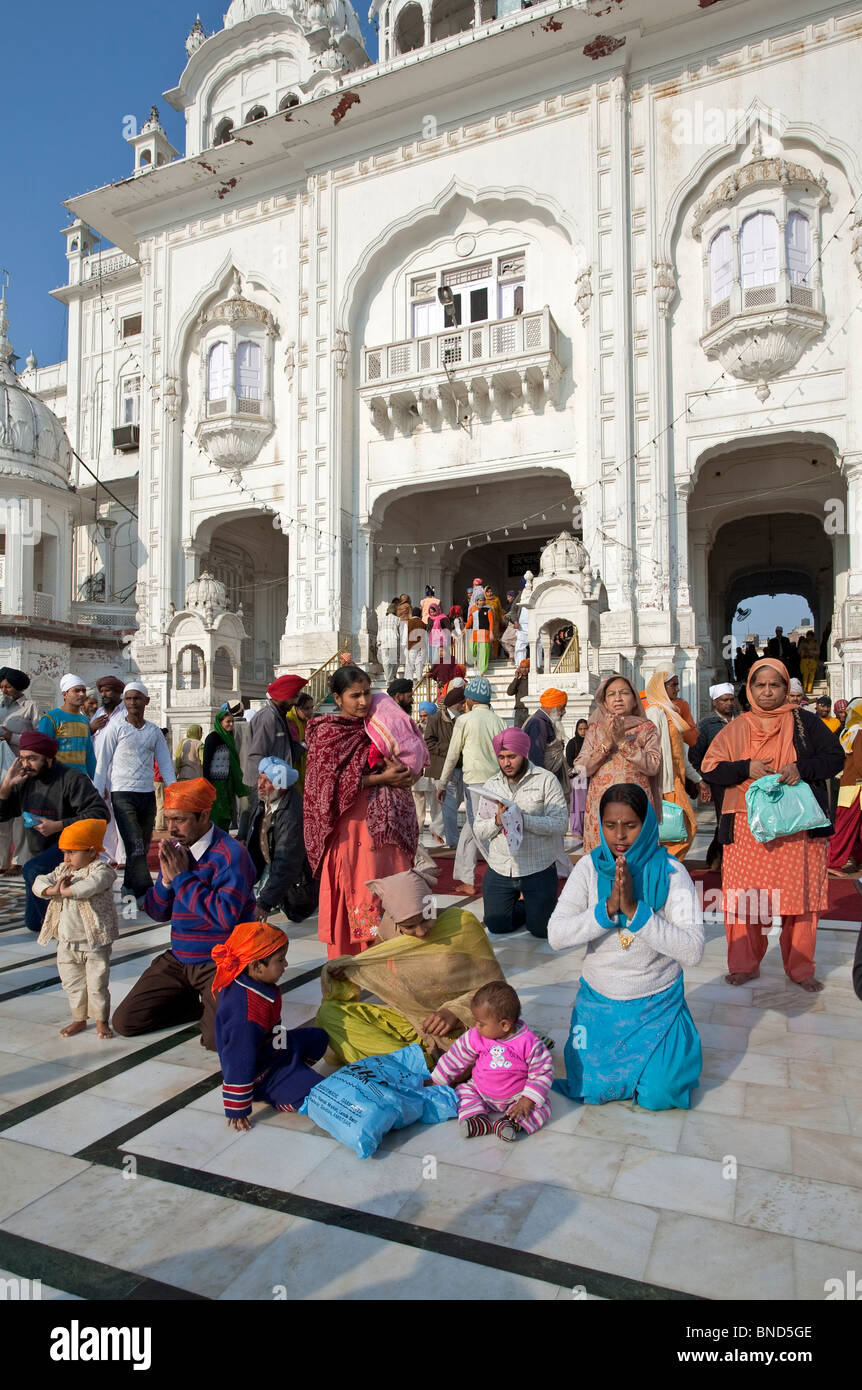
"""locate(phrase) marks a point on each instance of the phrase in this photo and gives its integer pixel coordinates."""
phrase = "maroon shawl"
(338, 751)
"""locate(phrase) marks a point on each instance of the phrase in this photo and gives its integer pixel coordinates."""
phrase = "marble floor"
(121, 1179)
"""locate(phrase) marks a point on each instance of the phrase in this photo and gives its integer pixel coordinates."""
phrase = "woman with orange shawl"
(772, 737)
(620, 745)
(675, 732)
(358, 816)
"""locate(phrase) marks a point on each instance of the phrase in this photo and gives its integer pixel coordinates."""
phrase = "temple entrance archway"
(423, 533)
(758, 520)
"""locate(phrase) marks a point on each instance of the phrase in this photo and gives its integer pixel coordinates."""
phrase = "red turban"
(39, 743)
(195, 794)
(285, 687)
(513, 741)
(247, 942)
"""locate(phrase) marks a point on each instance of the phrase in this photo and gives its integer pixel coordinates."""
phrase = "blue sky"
(71, 74)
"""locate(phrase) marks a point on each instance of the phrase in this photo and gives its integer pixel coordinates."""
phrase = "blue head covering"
(279, 772)
(427, 707)
(479, 690)
(648, 861)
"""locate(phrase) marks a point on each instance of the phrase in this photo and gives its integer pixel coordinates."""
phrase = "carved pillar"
(852, 468)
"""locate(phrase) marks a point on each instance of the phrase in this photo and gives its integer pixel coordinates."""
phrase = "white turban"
(716, 691)
(69, 682)
(136, 686)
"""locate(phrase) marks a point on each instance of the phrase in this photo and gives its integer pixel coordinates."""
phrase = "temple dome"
(33, 443)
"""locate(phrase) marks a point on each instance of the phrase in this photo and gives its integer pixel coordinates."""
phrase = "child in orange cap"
(82, 919)
(260, 1059)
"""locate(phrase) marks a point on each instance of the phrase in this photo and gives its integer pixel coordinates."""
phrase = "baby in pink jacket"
(511, 1069)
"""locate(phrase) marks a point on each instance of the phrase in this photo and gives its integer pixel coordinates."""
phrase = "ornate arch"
(718, 157)
(539, 206)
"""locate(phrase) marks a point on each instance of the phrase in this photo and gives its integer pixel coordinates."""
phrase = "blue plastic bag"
(776, 809)
(360, 1103)
(672, 827)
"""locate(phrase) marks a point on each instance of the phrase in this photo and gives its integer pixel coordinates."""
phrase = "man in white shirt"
(472, 744)
(110, 690)
(128, 749)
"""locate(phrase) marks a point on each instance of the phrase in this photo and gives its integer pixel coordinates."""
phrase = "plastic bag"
(776, 809)
(672, 827)
(360, 1103)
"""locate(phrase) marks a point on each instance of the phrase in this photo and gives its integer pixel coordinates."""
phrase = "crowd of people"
(296, 812)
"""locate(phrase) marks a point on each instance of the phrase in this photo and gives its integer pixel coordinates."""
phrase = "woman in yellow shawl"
(661, 711)
(424, 972)
(845, 846)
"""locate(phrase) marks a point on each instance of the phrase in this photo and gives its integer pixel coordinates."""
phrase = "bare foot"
(464, 888)
(740, 978)
(811, 985)
(76, 1026)
(104, 1030)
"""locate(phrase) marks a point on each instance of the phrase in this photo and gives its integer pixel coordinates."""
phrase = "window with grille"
(130, 400)
(481, 291)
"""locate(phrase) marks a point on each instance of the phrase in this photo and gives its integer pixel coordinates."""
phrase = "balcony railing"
(489, 343)
(484, 367)
(107, 264)
(43, 605)
(105, 615)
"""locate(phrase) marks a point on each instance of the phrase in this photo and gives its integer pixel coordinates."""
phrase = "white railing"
(106, 264)
(43, 605)
(498, 340)
(101, 615)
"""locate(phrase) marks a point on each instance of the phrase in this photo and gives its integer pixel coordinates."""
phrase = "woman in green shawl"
(187, 757)
(423, 973)
(221, 766)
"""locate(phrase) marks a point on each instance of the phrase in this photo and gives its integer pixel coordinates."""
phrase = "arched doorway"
(422, 536)
(757, 519)
(409, 29)
(250, 558)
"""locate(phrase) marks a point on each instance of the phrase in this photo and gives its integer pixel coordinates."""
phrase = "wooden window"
(249, 371)
(798, 249)
(132, 326)
(218, 372)
(758, 250)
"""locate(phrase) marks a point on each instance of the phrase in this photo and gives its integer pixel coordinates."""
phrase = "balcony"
(111, 616)
(499, 365)
(761, 332)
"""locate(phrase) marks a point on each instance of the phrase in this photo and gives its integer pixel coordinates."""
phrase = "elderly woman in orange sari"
(785, 876)
(675, 731)
(620, 745)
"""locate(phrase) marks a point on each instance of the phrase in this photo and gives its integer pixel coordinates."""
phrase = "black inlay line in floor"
(79, 1084)
(390, 1229)
(108, 1152)
(46, 959)
(77, 1274)
(55, 979)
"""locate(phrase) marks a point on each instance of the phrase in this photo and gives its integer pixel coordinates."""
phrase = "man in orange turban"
(204, 889)
(545, 726)
(260, 1059)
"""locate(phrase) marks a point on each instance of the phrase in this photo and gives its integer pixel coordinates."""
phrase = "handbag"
(774, 809)
(671, 828)
(301, 897)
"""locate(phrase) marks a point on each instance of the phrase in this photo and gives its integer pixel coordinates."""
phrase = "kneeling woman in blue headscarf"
(635, 909)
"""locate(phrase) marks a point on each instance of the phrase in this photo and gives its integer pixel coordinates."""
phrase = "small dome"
(33, 443)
